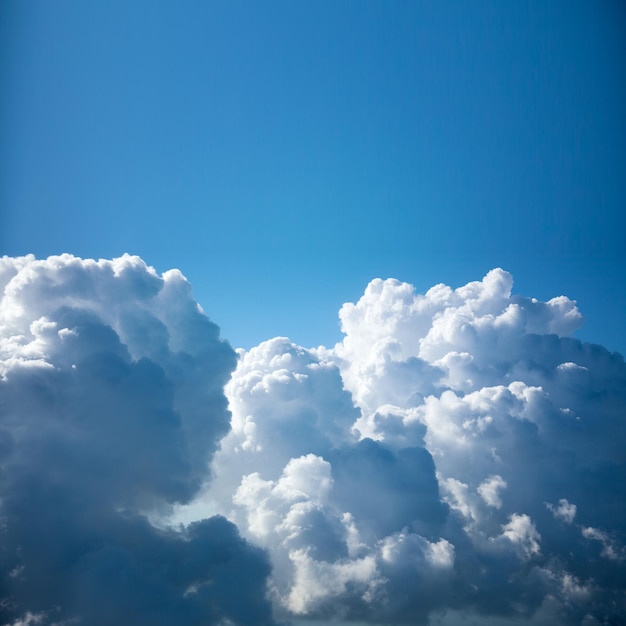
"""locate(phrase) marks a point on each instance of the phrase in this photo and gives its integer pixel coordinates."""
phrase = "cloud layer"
(457, 458)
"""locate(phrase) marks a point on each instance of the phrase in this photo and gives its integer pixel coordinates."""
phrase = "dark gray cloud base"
(111, 405)
(456, 459)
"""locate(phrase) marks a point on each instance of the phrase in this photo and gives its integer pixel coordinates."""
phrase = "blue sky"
(284, 154)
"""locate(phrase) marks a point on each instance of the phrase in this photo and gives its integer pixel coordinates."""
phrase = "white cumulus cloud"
(444, 423)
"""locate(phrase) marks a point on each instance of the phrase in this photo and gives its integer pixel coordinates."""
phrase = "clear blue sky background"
(282, 154)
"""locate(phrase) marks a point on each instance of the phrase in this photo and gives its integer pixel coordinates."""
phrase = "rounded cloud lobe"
(457, 458)
(111, 407)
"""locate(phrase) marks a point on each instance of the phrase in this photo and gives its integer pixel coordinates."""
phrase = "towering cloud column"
(458, 456)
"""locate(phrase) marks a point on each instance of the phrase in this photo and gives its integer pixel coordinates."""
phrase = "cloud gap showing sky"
(456, 458)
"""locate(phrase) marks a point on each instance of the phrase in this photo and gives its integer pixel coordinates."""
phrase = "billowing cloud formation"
(457, 457)
(111, 406)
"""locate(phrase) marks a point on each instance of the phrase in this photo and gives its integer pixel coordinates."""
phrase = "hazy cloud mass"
(457, 458)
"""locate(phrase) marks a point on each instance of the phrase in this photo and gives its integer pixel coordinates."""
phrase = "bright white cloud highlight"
(489, 491)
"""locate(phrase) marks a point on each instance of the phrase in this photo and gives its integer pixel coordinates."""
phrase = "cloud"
(112, 405)
(457, 458)
(565, 510)
(451, 441)
(489, 490)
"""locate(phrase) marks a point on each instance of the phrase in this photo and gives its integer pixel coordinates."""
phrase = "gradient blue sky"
(282, 154)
